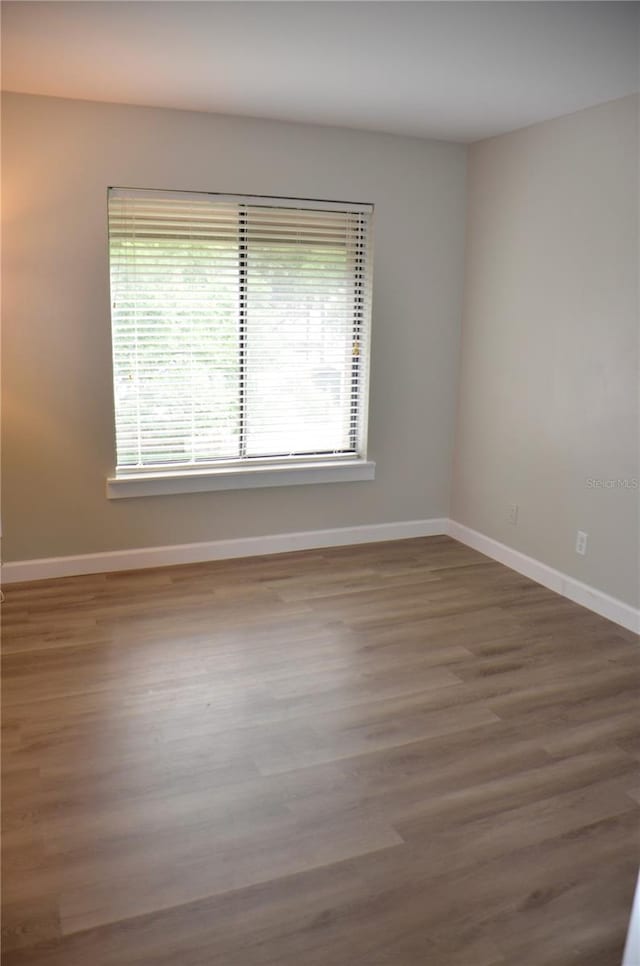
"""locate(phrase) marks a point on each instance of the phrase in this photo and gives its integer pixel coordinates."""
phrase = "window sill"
(237, 478)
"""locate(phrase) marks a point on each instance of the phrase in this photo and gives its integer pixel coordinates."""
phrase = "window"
(240, 337)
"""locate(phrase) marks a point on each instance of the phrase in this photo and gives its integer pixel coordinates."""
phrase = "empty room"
(320, 496)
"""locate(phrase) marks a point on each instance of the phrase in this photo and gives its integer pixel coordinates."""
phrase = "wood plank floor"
(400, 754)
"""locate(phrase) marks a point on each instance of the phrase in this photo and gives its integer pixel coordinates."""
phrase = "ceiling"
(453, 70)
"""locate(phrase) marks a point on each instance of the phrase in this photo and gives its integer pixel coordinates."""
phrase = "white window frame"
(255, 472)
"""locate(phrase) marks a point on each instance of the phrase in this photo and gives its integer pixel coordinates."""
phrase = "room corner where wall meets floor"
(152, 557)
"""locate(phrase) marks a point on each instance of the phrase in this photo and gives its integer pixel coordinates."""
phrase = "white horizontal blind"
(240, 328)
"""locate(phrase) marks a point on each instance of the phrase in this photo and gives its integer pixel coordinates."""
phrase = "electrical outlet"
(581, 542)
(513, 513)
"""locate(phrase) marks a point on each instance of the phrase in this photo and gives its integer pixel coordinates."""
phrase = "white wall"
(58, 158)
(549, 364)
(548, 368)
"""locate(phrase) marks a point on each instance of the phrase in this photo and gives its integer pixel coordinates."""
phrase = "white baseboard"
(93, 563)
(595, 600)
(138, 559)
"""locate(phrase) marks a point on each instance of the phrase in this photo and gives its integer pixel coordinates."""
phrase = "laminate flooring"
(400, 754)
